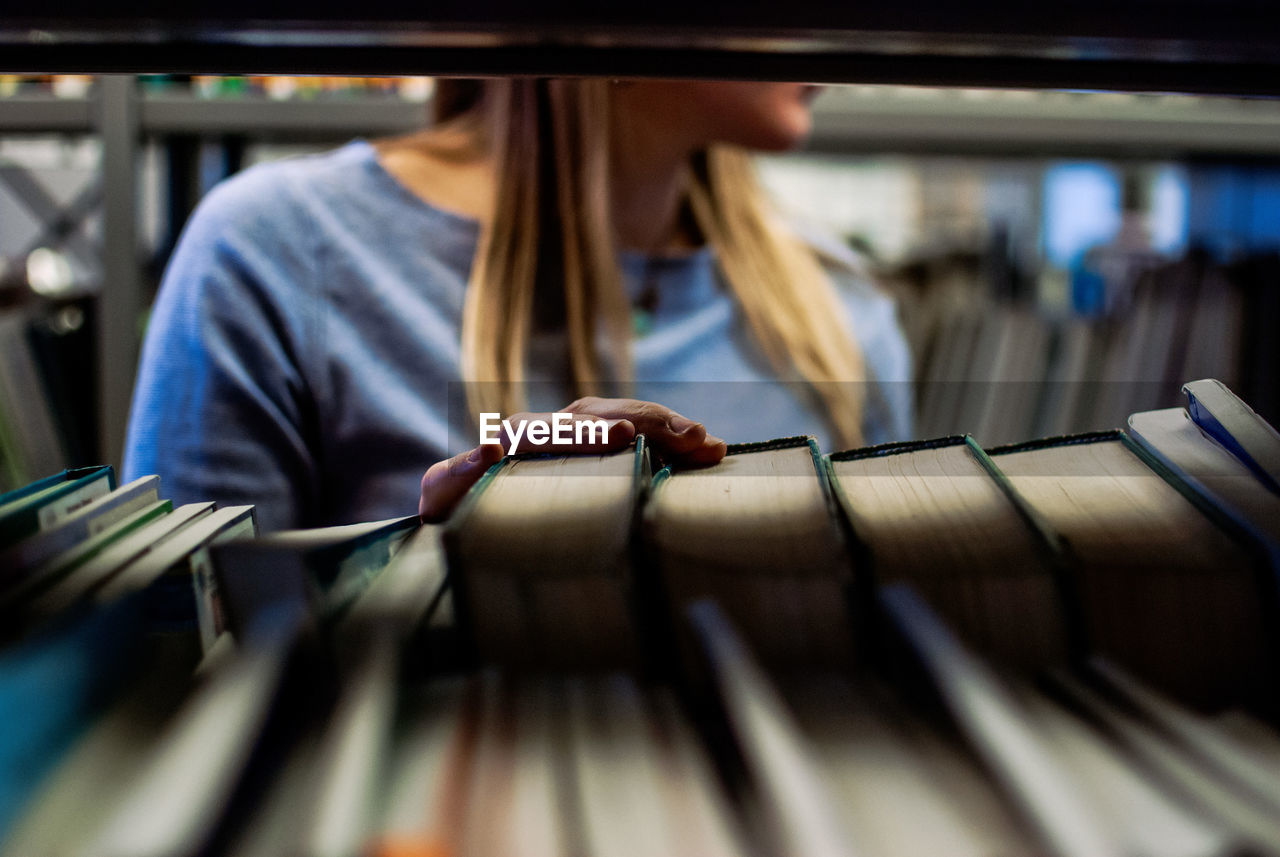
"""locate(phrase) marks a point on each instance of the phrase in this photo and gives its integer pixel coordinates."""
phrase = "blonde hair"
(547, 256)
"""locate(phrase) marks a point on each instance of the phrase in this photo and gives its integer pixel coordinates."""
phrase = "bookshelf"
(1221, 57)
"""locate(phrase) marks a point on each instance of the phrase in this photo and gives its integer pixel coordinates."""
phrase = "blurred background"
(1061, 258)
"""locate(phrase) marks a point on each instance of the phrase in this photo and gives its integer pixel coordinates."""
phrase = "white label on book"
(209, 617)
(121, 511)
(209, 613)
(56, 512)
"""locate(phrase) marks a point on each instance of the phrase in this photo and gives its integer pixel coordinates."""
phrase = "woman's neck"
(647, 186)
(648, 183)
(462, 185)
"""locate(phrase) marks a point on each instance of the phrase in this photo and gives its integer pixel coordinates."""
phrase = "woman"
(546, 240)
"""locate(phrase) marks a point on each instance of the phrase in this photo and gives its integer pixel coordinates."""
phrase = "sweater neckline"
(642, 272)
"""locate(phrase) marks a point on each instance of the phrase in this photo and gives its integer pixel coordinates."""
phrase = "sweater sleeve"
(222, 409)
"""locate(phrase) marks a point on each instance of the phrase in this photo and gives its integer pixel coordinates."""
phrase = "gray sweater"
(303, 353)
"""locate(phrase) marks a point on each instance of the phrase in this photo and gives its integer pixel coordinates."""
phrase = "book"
(901, 782)
(321, 571)
(1071, 369)
(345, 777)
(621, 773)
(1172, 437)
(86, 578)
(989, 565)
(178, 575)
(950, 370)
(32, 442)
(85, 522)
(182, 791)
(1167, 587)
(1215, 331)
(540, 554)
(411, 589)
(53, 684)
(13, 472)
(1258, 782)
(796, 813)
(997, 729)
(77, 796)
(46, 502)
(1138, 357)
(1235, 425)
(1003, 408)
(1246, 730)
(426, 783)
(698, 810)
(531, 763)
(61, 565)
(1138, 812)
(272, 823)
(1176, 770)
(512, 804)
(758, 534)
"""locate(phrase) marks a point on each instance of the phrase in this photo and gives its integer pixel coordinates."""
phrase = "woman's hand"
(677, 438)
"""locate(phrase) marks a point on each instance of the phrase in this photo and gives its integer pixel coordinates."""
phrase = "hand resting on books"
(677, 438)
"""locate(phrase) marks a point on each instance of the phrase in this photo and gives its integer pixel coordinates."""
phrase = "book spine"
(1055, 552)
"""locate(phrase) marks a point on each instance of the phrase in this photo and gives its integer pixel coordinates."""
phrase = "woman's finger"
(674, 435)
(567, 433)
(445, 482)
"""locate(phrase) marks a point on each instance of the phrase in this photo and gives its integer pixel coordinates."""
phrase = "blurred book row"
(47, 417)
(1003, 369)
(1065, 646)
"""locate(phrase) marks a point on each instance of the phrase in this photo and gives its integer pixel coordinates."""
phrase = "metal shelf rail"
(1226, 46)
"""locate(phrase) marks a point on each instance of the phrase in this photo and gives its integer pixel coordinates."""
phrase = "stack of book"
(1067, 647)
(1006, 371)
(29, 441)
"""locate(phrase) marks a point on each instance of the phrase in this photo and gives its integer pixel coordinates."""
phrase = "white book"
(1237, 427)
(224, 524)
(66, 562)
(1204, 464)
(179, 795)
(82, 524)
(626, 805)
(1178, 771)
(352, 758)
(94, 573)
(429, 753)
(697, 808)
(1067, 379)
(512, 805)
(411, 587)
(184, 560)
(81, 792)
(1258, 781)
(998, 731)
(1145, 818)
(902, 785)
(794, 806)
